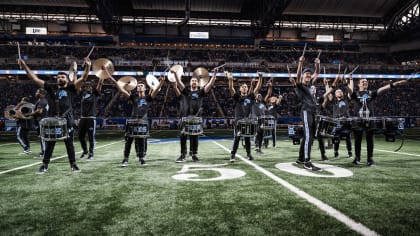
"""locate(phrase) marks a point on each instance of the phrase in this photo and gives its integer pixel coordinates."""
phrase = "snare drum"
(375, 124)
(246, 127)
(192, 125)
(326, 127)
(137, 128)
(53, 128)
(344, 123)
(266, 122)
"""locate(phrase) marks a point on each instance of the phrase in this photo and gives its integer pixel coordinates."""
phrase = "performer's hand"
(317, 61)
(301, 59)
(87, 62)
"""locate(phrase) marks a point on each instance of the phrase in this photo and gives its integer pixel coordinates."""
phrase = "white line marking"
(358, 227)
(52, 159)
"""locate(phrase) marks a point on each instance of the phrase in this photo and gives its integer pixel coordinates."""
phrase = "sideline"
(52, 159)
(358, 227)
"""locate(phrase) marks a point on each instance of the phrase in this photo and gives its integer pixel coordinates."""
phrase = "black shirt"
(272, 110)
(243, 105)
(88, 103)
(61, 101)
(363, 100)
(258, 109)
(191, 102)
(341, 108)
(307, 101)
(140, 106)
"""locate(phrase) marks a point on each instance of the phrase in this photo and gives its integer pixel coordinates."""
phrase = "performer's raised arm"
(30, 74)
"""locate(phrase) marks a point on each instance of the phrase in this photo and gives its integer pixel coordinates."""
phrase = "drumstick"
(354, 69)
(304, 49)
(319, 53)
(90, 52)
(412, 76)
(219, 66)
(19, 54)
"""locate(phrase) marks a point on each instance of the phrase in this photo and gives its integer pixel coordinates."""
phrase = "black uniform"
(243, 106)
(191, 103)
(320, 138)
(272, 111)
(363, 108)
(258, 110)
(61, 104)
(42, 103)
(341, 110)
(87, 122)
(307, 113)
(139, 111)
(23, 127)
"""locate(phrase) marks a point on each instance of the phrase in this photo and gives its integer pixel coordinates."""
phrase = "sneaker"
(190, 153)
(27, 151)
(250, 157)
(83, 154)
(180, 159)
(324, 158)
(90, 157)
(142, 161)
(308, 165)
(335, 154)
(75, 168)
(259, 151)
(42, 169)
(41, 155)
(299, 161)
(371, 163)
(195, 158)
(356, 162)
(124, 163)
(232, 158)
(350, 154)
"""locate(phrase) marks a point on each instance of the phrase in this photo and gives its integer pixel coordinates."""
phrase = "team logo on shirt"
(195, 96)
(62, 93)
(142, 102)
(86, 96)
(364, 97)
(247, 101)
(341, 104)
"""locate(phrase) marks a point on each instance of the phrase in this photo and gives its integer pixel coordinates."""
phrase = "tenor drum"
(267, 122)
(192, 125)
(53, 128)
(344, 123)
(295, 131)
(246, 127)
(326, 127)
(137, 128)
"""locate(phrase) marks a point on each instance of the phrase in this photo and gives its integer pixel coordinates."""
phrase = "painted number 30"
(223, 173)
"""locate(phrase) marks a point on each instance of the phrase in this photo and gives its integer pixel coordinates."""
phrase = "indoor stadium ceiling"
(368, 10)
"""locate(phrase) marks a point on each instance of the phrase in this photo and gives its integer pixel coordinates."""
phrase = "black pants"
(358, 136)
(87, 126)
(41, 140)
(140, 145)
(321, 145)
(337, 139)
(22, 135)
(259, 138)
(69, 142)
(309, 125)
(236, 140)
(193, 143)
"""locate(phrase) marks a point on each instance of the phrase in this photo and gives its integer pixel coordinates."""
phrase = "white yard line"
(52, 159)
(358, 227)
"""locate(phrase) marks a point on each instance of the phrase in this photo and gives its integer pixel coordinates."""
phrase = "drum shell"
(53, 128)
(295, 131)
(247, 127)
(266, 122)
(393, 124)
(326, 127)
(192, 125)
(137, 128)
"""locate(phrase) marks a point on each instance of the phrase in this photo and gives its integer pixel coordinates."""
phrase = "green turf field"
(210, 197)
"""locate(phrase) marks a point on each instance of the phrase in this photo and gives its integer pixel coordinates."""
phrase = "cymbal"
(99, 67)
(179, 70)
(152, 82)
(202, 74)
(9, 111)
(127, 82)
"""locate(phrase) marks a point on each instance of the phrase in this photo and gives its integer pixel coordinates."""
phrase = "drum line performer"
(364, 109)
(273, 105)
(140, 107)
(61, 94)
(24, 124)
(242, 106)
(87, 121)
(304, 81)
(258, 110)
(41, 111)
(191, 101)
